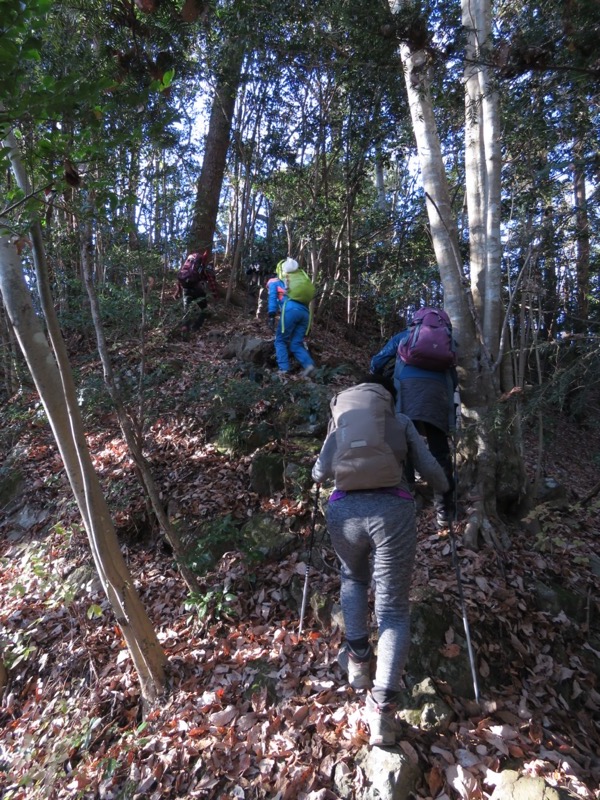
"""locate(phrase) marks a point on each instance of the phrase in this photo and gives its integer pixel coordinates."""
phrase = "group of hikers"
(290, 292)
(374, 446)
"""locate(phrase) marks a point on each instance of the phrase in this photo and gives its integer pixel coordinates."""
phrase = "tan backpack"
(363, 418)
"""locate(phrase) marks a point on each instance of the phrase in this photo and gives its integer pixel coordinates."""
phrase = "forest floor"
(256, 710)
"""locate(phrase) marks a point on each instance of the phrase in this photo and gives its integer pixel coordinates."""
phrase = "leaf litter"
(254, 709)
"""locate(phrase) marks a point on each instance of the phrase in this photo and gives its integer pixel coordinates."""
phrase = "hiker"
(426, 396)
(371, 519)
(276, 290)
(193, 279)
(291, 294)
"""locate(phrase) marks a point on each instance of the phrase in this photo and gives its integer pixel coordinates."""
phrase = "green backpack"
(299, 286)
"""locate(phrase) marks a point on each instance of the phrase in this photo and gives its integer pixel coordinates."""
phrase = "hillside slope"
(256, 710)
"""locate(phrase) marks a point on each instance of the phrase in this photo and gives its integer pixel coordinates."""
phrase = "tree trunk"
(10, 367)
(382, 203)
(475, 313)
(582, 239)
(215, 154)
(58, 396)
(54, 381)
(483, 163)
(133, 438)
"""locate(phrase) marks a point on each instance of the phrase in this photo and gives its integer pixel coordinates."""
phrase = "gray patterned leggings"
(365, 523)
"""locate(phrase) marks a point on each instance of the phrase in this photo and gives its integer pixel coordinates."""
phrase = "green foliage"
(45, 763)
(18, 647)
(215, 604)
(571, 379)
(92, 395)
(213, 539)
(300, 482)
(122, 308)
(235, 438)
(244, 400)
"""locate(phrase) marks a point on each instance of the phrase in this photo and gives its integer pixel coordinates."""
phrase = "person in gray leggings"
(376, 529)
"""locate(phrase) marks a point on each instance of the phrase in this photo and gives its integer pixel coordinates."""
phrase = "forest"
(160, 531)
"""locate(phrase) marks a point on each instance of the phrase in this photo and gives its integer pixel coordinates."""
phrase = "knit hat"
(289, 265)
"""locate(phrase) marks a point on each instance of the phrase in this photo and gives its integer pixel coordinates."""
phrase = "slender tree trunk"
(483, 163)
(382, 203)
(132, 437)
(215, 154)
(10, 366)
(54, 381)
(476, 315)
(582, 239)
(57, 393)
(133, 182)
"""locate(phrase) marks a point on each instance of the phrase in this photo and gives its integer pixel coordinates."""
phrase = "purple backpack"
(429, 344)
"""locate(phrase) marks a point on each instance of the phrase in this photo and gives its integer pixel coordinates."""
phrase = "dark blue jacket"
(423, 394)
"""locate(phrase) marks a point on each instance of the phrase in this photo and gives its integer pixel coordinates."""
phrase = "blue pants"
(382, 525)
(293, 324)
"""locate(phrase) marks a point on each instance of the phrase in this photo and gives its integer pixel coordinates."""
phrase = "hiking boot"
(359, 670)
(308, 371)
(442, 520)
(384, 727)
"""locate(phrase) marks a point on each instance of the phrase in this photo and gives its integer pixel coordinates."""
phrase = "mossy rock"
(11, 486)
(266, 473)
(237, 438)
(263, 534)
(308, 448)
(555, 598)
(429, 622)
(423, 708)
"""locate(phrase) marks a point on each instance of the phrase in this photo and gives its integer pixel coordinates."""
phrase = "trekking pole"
(310, 547)
(459, 583)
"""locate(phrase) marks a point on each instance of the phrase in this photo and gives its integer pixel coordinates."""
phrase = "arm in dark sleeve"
(424, 462)
(379, 360)
(323, 467)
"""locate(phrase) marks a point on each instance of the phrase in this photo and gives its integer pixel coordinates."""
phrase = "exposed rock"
(82, 580)
(264, 535)
(322, 606)
(552, 494)
(11, 487)
(344, 780)
(235, 438)
(513, 786)
(391, 773)
(595, 566)
(424, 708)
(248, 348)
(337, 618)
(266, 473)
(556, 599)
(430, 620)
(24, 518)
